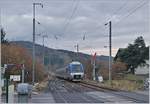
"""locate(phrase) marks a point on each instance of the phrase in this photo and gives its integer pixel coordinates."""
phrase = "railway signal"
(77, 48)
(9, 67)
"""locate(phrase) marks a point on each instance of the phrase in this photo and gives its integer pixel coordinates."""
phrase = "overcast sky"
(66, 22)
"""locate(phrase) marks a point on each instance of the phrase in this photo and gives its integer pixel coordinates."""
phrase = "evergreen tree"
(3, 34)
(135, 54)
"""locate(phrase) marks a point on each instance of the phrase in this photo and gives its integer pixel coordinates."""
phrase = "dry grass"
(133, 77)
(40, 86)
(125, 85)
(130, 83)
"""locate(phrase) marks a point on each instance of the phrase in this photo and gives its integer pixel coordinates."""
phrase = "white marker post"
(11, 93)
(94, 70)
(94, 62)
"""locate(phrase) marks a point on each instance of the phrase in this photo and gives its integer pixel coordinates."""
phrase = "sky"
(70, 22)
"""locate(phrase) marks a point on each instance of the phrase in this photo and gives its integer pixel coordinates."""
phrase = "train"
(74, 71)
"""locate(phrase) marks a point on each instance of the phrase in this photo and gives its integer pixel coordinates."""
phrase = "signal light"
(18, 66)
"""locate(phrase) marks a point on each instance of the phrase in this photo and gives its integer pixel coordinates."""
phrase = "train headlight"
(71, 74)
(82, 74)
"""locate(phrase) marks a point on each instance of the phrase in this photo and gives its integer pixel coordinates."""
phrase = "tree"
(118, 69)
(15, 54)
(134, 55)
(3, 34)
(103, 70)
(88, 68)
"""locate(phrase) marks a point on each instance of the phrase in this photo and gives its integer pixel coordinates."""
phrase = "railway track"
(132, 96)
(67, 92)
(138, 98)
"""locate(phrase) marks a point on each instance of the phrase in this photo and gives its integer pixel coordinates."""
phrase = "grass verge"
(124, 85)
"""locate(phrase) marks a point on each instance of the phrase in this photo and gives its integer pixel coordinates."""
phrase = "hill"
(54, 58)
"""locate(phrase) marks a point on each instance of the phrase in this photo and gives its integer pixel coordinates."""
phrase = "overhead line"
(115, 12)
(73, 12)
(65, 21)
(131, 12)
(119, 9)
(46, 32)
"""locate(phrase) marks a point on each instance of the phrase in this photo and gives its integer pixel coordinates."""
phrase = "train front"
(76, 71)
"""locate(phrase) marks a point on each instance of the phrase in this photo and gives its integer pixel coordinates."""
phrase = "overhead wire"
(67, 18)
(132, 11)
(101, 26)
(70, 18)
(55, 35)
(119, 9)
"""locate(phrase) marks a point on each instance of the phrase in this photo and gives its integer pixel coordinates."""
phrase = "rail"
(130, 95)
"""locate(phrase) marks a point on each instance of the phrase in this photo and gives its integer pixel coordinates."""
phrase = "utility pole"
(110, 51)
(94, 65)
(0, 19)
(77, 48)
(0, 60)
(33, 52)
(110, 61)
(43, 51)
(44, 36)
(23, 68)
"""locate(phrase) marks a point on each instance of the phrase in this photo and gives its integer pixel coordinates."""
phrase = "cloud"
(89, 19)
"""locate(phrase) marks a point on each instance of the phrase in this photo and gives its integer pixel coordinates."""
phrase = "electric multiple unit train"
(74, 71)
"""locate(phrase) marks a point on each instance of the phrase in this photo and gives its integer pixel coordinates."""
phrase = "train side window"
(67, 69)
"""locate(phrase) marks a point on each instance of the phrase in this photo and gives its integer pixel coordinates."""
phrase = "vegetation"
(129, 82)
(13, 54)
(3, 34)
(116, 72)
(122, 84)
(134, 55)
(41, 86)
(127, 85)
(102, 69)
(88, 69)
(131, 57)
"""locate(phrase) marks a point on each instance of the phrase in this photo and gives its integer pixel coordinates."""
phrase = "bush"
(13, 54)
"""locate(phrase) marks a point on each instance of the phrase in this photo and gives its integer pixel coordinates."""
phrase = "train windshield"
(77, 68)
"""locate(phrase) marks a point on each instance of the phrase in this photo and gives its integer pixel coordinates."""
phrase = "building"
(142, 70)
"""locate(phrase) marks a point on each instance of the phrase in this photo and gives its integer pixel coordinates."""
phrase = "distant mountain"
(55, 58)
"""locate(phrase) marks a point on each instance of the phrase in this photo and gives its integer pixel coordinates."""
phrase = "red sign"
(94, 57)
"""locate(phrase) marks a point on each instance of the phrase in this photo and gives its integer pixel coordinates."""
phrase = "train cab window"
(77, 68)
